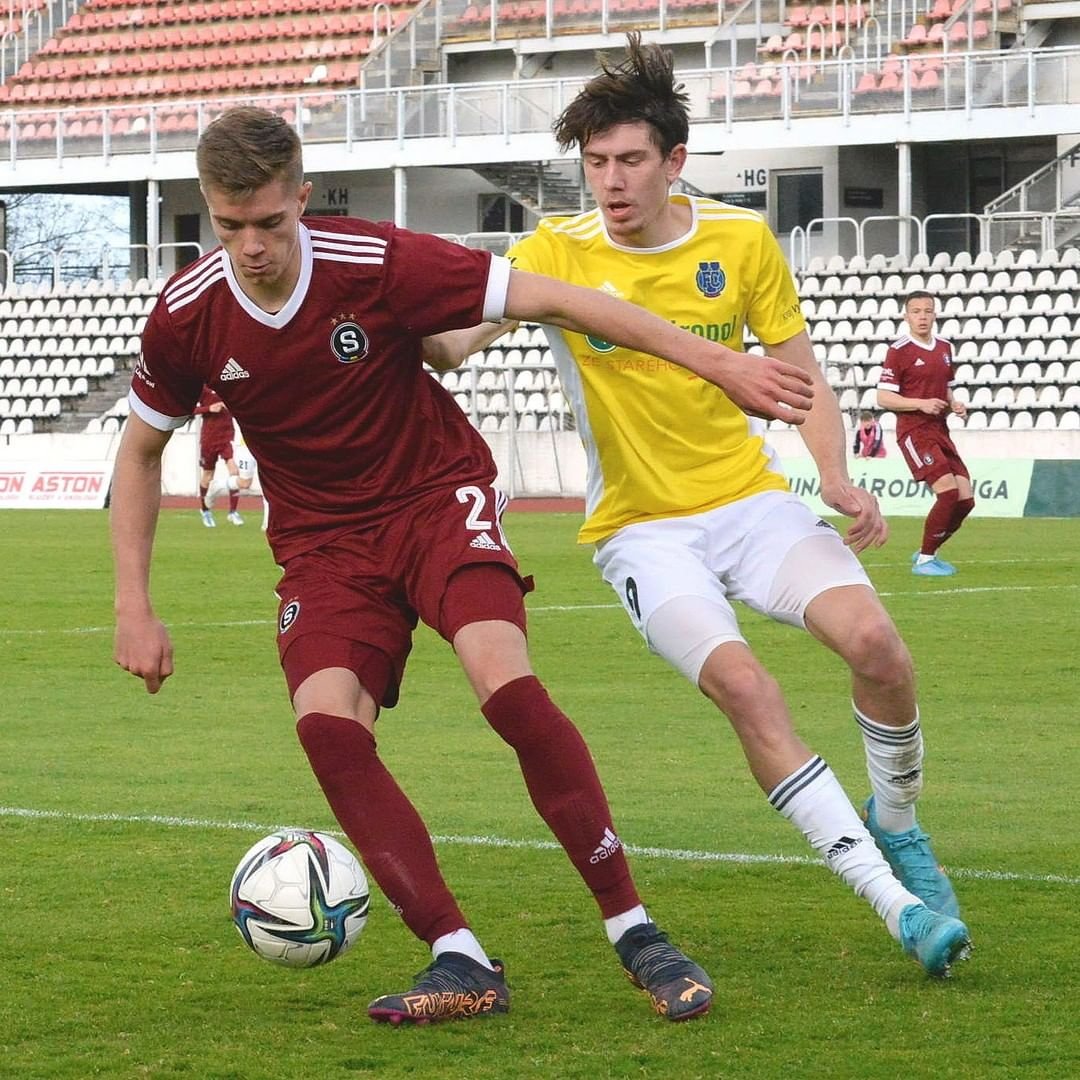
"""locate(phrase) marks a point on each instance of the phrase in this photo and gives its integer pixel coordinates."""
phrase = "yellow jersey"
(660, 441)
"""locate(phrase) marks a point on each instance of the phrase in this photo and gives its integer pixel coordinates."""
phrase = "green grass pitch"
(123, 816)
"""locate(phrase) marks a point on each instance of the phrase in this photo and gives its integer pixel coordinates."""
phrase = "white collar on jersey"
(929, 346)
(292, 305)
(679, 197)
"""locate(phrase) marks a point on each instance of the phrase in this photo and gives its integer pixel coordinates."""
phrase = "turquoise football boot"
(913, 862)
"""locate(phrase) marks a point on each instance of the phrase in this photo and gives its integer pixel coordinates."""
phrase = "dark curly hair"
(642, 87)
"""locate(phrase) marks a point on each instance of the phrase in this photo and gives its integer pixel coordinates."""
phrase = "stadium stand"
(159, 50)
(67, 349)
(66, 353)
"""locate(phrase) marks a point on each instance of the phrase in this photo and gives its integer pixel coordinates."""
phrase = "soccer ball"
(299, 898)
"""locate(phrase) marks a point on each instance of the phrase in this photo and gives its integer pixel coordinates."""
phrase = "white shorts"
(677, 577)
(245, 463)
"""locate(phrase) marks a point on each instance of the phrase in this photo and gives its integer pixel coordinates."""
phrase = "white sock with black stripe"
(813, 800)
(894, 763)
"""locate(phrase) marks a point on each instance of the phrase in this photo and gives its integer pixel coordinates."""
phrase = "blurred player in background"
(916, 384)
(246, 471)
(869, 437)
(689, 509)
(216, 442)
(383, 513)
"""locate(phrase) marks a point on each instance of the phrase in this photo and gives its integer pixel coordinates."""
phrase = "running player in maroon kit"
(382, 512)
(915, 383)
(215, 441)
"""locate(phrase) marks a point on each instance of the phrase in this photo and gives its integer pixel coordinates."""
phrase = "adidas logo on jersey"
(485, 543)
(919, 363)
(607, 847)
(232, 371)
(844, 844)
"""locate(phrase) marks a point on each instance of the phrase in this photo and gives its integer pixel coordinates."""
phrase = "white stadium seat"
(1054, 372)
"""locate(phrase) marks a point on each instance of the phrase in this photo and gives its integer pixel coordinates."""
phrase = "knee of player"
(878, 653)
(734, 680)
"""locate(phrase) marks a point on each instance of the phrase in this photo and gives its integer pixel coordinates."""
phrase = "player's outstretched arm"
(761, 386)
(141, 644)
(825, 438)
(452, 348)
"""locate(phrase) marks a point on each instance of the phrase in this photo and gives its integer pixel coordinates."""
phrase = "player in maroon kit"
(915, 383)
(216, 441)
(382, 512)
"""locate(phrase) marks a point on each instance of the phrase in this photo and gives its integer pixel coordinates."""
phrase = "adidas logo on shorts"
(485, 543)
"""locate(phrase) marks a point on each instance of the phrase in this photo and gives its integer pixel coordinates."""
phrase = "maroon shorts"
(355, 602)
(212, 449)
(931, 454)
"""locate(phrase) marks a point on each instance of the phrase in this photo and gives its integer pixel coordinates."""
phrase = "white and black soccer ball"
(299, 898)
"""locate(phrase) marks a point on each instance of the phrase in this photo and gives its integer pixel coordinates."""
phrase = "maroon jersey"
(330, 391)
(915, 370)
(217, 427)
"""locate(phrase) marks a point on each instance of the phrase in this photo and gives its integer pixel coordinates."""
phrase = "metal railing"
(1055, 186)
(976, 233)
(54, 268)
(450, 112)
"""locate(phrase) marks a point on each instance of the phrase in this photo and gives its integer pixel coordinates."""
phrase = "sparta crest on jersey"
(348, 342)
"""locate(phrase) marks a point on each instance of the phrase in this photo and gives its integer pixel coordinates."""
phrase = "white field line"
(668, 854)
(917, 594)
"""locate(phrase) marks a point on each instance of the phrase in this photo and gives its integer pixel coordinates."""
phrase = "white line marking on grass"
(670, 854)
(928, 594)
(109, 629)
(533, 609)
(920, 594)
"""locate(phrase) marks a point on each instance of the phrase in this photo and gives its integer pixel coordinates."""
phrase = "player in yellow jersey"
(689, 509)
